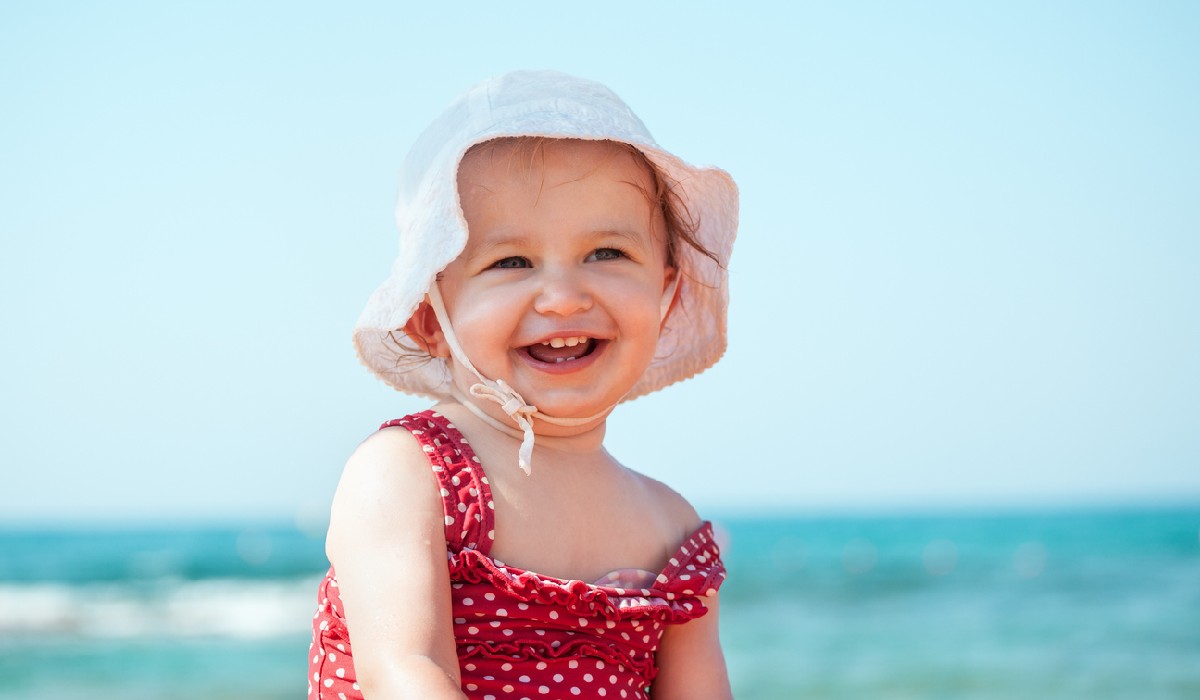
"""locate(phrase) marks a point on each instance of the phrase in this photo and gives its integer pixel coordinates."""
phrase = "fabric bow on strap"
(514, 405)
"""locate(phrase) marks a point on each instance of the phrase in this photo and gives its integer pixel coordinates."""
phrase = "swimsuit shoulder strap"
(466, 496)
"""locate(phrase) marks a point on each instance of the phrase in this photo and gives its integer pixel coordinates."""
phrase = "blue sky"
(966, 272)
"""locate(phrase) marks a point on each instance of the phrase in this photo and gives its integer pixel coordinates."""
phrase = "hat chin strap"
(497, 390)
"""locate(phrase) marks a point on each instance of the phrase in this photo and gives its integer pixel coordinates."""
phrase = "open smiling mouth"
(559, 350)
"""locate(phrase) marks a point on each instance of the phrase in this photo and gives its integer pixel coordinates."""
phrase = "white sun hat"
(433, 231)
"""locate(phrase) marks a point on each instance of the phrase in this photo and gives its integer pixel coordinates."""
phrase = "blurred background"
(953, 448)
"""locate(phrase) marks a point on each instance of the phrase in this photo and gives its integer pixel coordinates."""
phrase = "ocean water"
(1097, 604)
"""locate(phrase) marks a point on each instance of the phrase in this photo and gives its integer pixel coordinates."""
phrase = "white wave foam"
(236, 608)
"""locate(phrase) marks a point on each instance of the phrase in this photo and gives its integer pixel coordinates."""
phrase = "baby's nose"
(562, 294)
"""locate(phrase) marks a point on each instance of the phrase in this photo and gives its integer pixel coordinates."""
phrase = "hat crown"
(521, 103)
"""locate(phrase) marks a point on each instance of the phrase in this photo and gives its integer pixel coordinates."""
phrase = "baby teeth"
(563, 359)
(566, 342)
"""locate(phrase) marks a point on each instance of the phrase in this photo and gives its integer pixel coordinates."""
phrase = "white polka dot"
(587, 677)
(524, 679)
(472, 630)
(462, 507)
(501, 612)
(573, 664)
(558, 678)
(506, 667)
(541, 665)
(507, 689)
(489, 596)
(340, 673)
(468, 601)
(472, 686)
(332, 657)
(449, 519)
(543, 689)
(574, 691)
(328, 683)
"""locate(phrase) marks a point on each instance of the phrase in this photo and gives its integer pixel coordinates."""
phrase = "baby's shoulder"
(386, 451)
(669, 503)
(386, 475)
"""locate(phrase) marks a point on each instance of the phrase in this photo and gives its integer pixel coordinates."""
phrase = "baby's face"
(563, 285)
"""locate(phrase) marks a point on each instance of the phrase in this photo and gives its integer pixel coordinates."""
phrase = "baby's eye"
(511, 263)
(606, 254)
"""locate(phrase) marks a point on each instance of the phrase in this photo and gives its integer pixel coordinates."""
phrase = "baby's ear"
(424, 329)
(670, 294)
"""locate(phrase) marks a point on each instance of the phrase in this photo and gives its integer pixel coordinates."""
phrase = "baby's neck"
(573, 441)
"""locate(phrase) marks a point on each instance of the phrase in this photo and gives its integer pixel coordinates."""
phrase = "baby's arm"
(689, 657)
(388, 547)
(690, 661)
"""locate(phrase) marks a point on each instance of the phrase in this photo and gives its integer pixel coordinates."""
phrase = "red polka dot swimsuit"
(520, 634)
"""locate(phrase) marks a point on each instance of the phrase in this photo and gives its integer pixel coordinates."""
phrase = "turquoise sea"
(1088, 603)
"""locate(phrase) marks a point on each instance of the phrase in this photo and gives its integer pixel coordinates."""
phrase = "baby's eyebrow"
(631, 236)
(486, 247)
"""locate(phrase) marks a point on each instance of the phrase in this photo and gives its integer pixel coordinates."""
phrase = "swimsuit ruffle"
(694, 572)
(643, 664)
